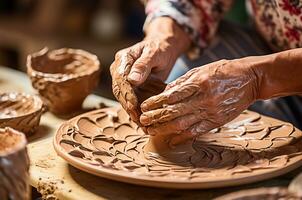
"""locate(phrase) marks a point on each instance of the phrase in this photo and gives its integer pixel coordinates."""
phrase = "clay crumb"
(47, 190)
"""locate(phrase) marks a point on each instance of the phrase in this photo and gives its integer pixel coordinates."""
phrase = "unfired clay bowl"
(63, 77)
(14, 165)
(20, 111)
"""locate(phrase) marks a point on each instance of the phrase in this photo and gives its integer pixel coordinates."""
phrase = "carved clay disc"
(273, 193)
(251, 148)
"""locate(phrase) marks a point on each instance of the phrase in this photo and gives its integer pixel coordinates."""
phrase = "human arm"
(171, 28)
(210, 96)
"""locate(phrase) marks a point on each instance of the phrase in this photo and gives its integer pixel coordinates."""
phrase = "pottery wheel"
(251, 148)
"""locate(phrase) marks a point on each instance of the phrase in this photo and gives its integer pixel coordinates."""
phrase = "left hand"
(203, 99)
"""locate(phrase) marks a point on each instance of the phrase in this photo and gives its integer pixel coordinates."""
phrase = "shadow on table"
(82, 111)
(117, 190)
(41, 132)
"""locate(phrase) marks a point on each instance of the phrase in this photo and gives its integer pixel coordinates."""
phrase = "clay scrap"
(250, 148)
(63, 77)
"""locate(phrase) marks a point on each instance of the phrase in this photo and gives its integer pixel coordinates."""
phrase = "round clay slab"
(271, 193)
(251, 148)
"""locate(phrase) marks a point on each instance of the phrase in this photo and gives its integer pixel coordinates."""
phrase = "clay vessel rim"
(38, 106)
(17, 146)
(59, 77)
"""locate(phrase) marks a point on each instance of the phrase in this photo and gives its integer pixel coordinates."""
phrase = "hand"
(155, 55)
(201, 100)
(129, 97)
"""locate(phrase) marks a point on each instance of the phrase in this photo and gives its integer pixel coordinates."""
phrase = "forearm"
(278, 74)
(168, 30)
(199, 19)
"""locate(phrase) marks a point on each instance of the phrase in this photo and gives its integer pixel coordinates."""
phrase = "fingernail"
(135, 76)
(143, 119)
(144, 107)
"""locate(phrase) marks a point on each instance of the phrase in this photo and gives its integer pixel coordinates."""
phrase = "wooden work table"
(54, 178)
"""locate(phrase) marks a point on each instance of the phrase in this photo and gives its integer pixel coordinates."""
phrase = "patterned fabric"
(278, 21)
(235, 41)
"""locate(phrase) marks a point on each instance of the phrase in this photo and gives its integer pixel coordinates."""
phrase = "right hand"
(132, 67)
(155, 55)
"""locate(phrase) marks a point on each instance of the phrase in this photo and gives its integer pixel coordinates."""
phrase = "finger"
(124, 59)
(174, 126)
(169, 112)
(196, 129)
(204, 126)
(181, 79)
(163, 115)
(181, 138)
(170, 96)
(142, 67)
(176, 82)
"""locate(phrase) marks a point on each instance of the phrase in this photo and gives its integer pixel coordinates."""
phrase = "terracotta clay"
(273, 193)
(63, 77)
(129, 96)
(250, 148)
(20, 111)
(14, 166)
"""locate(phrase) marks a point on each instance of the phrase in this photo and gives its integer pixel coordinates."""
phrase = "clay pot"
(14, 165)
(20, 111)
(63, 77)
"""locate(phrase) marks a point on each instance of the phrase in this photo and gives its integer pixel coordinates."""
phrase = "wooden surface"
(54, 178)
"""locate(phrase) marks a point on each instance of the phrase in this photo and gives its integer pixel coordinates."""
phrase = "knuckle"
(112, 67)
(120, 53)
(181, 125)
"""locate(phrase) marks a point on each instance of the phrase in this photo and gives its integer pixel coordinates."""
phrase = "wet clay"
(20, 111)
(129, 96)
(14, 166)
(273, 193)
(249, 148)
(63, 77)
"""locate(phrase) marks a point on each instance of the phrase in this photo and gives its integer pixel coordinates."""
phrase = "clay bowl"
(14, 165)
(20, 111)
(63, 77)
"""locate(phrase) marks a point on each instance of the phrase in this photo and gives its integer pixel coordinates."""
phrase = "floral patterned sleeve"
(198, 18)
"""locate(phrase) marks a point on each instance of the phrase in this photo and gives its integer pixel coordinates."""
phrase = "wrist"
(254, 68)
(168, 31)
(261, 67)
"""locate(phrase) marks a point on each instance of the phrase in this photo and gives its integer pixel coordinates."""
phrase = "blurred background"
(101, 27)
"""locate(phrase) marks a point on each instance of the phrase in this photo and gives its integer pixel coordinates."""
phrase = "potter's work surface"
(248, 149)
(55, 178)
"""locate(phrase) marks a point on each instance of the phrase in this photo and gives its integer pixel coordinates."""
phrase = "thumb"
(141, 69)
